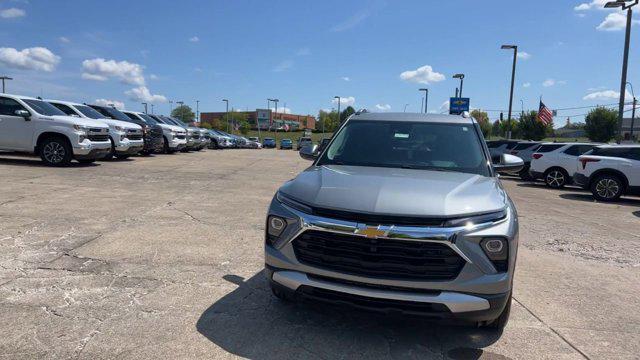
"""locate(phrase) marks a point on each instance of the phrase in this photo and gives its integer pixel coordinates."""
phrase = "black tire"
(122, 157)
(56, 151)
(501, 322)
(556, 178)
(165, 148)
(280, 294)
(86, 161)
(607, 187)
(112, 152)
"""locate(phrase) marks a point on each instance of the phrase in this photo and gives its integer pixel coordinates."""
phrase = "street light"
(145, 107)
(3, 79)
(405, 107)
(513, 76)
(339, 100)
(227, 114)
(197, 110)
(275, 128)
(461, 77)
(633, 111)
(625, 59)
(426, 98)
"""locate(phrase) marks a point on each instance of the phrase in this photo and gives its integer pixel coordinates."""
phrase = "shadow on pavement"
(589, 198)
(250, 322)
(636, 213)
(543, 186)
(36, 162)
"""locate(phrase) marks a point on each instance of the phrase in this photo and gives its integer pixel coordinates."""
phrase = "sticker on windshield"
(401, 136)
(464, 128)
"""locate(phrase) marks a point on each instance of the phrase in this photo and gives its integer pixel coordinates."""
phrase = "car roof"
(416, 117)
(20, 96)
(619, 146)
(72, 103)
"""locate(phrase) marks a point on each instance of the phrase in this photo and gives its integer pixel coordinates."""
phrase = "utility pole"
(339, 117)
(3, 79)
(197, 110)
(633, 110)
(227, 113)
(513, 76)
(426, 98)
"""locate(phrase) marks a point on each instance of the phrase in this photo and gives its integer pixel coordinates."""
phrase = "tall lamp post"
(197, 110)
(461, 77)
(227, 113)
(625, 59)
(426, 98)
(3, 79)
(339, 100)
(513, 76)
(145, 107)
(633, 111)
(275, 113)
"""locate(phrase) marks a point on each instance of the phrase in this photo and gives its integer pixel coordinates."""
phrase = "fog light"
(493, 246)
(276, 225)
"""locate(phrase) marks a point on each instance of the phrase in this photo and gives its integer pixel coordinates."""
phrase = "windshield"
(89, 112)
(111, 113)
(43, 108)
(148, 119)
(411, 145)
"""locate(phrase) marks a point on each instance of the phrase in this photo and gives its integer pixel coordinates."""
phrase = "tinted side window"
(548, 148)
(573, 150)
(65, 109)
(635, 154)
(511, 145)
(9, 106)
(620, 152)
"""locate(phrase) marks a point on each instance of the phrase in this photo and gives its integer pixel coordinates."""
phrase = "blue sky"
(305, 53)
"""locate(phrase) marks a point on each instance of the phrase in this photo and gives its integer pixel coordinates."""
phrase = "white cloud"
(444, 107)
(594, 4)
(64, 39)
(35, 58)
(12, 13)
(305, 51)
(282, 110)
(142, 94)
(524, 55)
(526, 85)
(352, 21)
(283, 66)
(104, 102)
(345, 101)
(422, 75)
(346, 78)
(615, 21)
(101, 69)
(606, 95)
(553, 82)
(383, 107)
(153, 77)
(194, 39)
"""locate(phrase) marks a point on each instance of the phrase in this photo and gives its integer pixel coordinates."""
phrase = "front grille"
(379, 219)
(181, 136)
(98, 130)
(94, 137)
(195, 136)
(375, 304)
(134, 136)
(378, 258)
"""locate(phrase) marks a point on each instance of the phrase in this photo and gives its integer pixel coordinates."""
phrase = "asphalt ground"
(162, 257)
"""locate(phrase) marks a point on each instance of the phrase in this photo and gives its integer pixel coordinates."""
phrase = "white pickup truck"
(32, 126)
(126, 138)
(175, 137)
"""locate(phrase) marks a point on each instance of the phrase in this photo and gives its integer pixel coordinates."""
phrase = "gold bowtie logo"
(371, 232)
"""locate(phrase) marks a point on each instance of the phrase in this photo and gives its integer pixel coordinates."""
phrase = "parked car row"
(608, 171)
(61, 131)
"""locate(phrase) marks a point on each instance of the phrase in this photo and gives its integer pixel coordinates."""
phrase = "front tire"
(607, 187)
(556, 178)
(56, 151)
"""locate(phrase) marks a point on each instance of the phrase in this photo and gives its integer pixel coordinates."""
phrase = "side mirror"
(509, 164)
(23, 113)
(309, 152)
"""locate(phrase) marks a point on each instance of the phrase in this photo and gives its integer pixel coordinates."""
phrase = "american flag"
(544, 114)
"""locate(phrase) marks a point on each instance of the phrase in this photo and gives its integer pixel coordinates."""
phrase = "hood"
(73, 120)
(391, 191)
(172, 127)
(124, 124)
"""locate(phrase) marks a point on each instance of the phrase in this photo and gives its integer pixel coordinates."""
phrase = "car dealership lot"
(164, 259)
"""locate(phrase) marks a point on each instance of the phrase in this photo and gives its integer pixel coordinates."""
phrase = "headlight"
(81, 129)
(477, 219)
(119, 128)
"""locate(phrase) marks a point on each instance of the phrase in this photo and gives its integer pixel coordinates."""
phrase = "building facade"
(266, 119)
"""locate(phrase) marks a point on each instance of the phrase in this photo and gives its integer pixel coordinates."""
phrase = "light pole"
(227, 113)
(197, 110)
(513, 77)
(405, 107)
(3, 79)
(625, 59)
(426, 98)
(461, 77)
(339, 100)
(521, 108)
(145, 107)
(633, 111)
(275, 113)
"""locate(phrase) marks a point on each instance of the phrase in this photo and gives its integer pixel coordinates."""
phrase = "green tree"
(530, 128)
(329, 119)
(483, 120)
(217, 124)
(205, 125)
(601, 124)
(346, 113)
(244, 127)
(496, 129)
(184, 113)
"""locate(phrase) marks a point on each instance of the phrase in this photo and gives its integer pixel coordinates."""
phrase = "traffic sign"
(458, 105)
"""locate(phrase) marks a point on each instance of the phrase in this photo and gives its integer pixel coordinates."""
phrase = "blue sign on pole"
(458, 105)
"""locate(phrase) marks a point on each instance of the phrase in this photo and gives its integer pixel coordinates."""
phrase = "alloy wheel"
(607, 188)
(555, 179)
(54, 152)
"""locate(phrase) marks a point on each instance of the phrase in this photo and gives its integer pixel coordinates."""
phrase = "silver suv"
(399, 213)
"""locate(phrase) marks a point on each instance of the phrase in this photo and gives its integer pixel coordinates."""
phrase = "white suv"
(126, 138)
(610, 171)
(32, 126)
(555, 163)
(175, 137)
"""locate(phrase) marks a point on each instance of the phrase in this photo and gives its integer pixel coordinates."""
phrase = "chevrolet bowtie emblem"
(371, 232)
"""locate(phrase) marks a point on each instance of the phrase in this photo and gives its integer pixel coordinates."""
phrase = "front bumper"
(475, 292)
(93, 154)
(88, 147)
(177, 144)
(129, 147)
